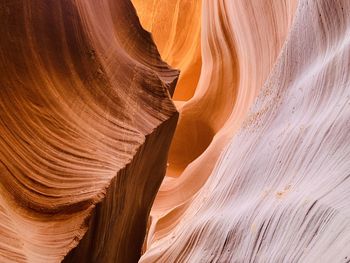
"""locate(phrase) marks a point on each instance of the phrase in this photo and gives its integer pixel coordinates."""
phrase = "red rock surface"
(257, 171)
(86, 121)
(279, 191)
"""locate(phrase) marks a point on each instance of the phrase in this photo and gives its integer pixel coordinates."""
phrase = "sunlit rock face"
(86, 121)
(280, 189)
(176, 27)
(249, 162)
(240, 42)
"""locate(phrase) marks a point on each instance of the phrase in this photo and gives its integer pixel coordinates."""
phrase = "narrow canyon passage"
(275, 194)
(240, 42)
(177, 131)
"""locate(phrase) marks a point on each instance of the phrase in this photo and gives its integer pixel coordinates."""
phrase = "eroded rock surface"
(86, 120)
(280, 190)
(258, 170)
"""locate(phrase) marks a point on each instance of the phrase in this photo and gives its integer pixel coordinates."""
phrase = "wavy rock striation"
(280, 190)
(176, 28)
(86, 121)
(240, 44)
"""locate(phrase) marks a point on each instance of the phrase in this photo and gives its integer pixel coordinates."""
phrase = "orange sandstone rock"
(280, 189)
(240, 42)
(86, 121)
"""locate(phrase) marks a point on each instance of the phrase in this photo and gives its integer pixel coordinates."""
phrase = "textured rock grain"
(86, 121)
(280, 190)
(240, 43)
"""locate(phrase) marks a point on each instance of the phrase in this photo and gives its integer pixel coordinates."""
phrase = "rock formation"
(280, 190)
(176, 27)
(238, 53)
(93, 170)
(86, 121)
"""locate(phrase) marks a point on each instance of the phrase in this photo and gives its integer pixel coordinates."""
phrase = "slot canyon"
(175, 131)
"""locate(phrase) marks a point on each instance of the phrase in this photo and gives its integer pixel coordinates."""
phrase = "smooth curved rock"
(280, 190)
(86, 121)
(176, 28)
(259, 167)
(240, 43)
